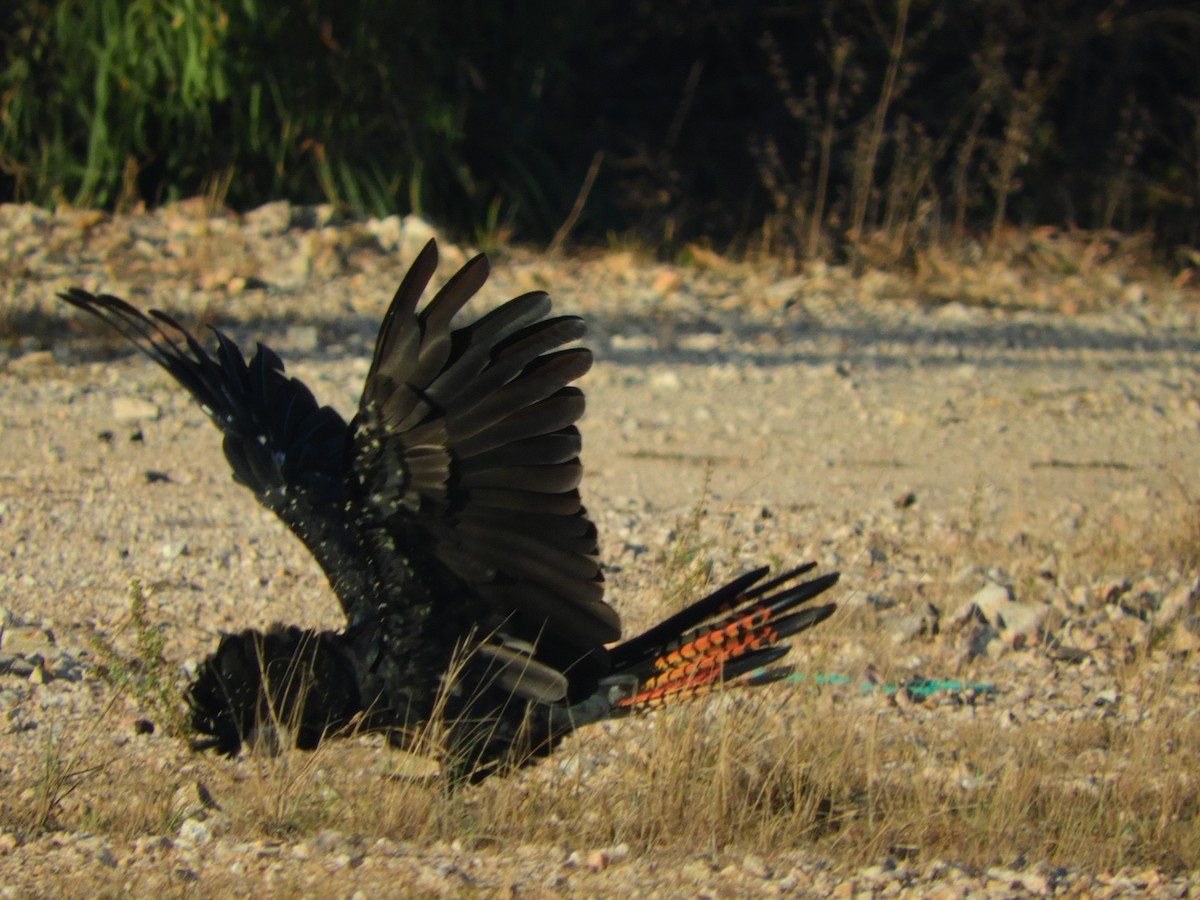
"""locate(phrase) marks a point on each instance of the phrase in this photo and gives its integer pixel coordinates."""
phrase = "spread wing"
(450, 504)
(465, 439)
(281, 444)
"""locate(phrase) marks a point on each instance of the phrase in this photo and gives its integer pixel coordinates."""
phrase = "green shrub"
(809, 128)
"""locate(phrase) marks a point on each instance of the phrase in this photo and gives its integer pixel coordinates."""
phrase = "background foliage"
(809, 128)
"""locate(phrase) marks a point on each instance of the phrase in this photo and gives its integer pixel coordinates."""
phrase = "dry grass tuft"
(1046, 771)
(850, 776)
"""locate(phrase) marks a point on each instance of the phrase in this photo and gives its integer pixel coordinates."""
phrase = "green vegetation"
(864, 129)
(147, 675)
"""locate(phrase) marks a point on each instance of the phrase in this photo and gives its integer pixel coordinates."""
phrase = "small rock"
(304, 338)
(387, 231)
(633, 342)
(756, 866)
(1179, 603)
(134, 409)
(192, 800)
(787, 289)
(596, 860)
(991, 600)
(151, 845)
(270, 218)
(1185, 640)
(666, 379)
(981, 640)
(667, 282)
(10, 664)
(1018, 623)
(311, 217)
(195, 832)
(924, 623)
(37, 359)
(1129, 629)
(330, 841)
(699, 343)
(953, 312)
(417, 233)
(25, 640)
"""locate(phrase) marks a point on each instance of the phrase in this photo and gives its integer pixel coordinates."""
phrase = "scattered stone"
(1180, 602)
(270, 218)
(127, 409)
(388, 231)
(1018, 624)
(195, 832)
(331, 841)
(416, 234)
(303, 338)
(31, 361)
(191, 801)
(11, 664)
(667, 282)
(666, 379)
(26, 640)
(755, 865)
(1185, 639)
(992, 600)
(924, 623)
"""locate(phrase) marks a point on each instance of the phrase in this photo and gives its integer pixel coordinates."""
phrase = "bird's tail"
(729, 637)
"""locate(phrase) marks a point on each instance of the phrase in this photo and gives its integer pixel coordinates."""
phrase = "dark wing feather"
(280, 442)
(465, 440)
(450, 504)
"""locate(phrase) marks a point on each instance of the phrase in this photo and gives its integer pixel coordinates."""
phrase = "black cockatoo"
(447, 517)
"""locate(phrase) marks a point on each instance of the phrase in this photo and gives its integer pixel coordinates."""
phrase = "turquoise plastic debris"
(921, 687)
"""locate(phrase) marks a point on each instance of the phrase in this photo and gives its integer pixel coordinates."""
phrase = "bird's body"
(447, 517)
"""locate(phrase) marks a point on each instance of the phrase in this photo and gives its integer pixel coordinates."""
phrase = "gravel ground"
(1000, 459)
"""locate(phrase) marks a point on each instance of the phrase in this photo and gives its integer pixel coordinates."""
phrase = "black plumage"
(447, 517)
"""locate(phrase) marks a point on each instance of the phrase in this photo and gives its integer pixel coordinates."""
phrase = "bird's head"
(268, 690)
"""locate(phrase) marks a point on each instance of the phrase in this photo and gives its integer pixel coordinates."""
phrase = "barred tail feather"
(729, 635)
